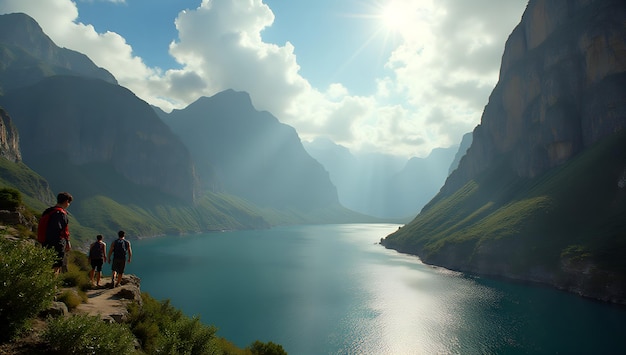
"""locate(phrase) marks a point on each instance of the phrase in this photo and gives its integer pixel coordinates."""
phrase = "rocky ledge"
(111, 303)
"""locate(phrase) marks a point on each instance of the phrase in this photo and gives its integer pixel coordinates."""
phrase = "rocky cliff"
(562, 88)
(540, 194)
(9, 139)
(13, 173)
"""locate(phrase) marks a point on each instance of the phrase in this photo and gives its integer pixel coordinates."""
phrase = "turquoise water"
(332, 289)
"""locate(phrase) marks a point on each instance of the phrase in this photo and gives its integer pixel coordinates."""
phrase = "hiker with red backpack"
(120, 249)
(97, 257)
(53, 230)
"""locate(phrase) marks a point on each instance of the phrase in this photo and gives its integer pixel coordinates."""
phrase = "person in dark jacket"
(57, 231)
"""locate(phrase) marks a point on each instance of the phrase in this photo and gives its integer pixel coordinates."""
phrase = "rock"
(131, 279)
(57, 309)
(111, 304)
(129, 292)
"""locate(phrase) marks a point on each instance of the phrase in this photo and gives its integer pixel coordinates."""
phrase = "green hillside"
(572, 217)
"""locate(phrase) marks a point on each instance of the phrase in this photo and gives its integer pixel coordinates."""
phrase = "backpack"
(119, 248)
(42, 227)
(96, 251)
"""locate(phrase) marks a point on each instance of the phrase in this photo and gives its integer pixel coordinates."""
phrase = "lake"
(332, 289)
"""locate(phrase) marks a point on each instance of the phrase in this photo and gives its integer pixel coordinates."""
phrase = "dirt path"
(111, 303)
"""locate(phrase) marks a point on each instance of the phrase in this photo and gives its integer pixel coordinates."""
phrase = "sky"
(397, 77)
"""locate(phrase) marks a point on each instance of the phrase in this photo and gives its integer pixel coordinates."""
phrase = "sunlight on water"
(334, 290)
(411, 308)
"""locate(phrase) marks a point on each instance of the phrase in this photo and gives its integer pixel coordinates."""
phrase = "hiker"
(97, 257)
(55, 229)
(120, 248)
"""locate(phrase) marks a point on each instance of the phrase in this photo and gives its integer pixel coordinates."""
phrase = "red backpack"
(43, 223)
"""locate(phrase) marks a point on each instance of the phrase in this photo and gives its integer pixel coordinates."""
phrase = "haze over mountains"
(251, 154)
(383, 186)
(129, 163)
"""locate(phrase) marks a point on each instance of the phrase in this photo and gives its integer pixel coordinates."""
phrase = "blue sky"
(398, 77)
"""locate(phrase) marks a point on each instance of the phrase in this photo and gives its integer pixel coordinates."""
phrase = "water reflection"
(334, 290)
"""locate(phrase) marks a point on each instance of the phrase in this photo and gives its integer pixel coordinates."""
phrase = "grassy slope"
(574, 213)
(105, 201)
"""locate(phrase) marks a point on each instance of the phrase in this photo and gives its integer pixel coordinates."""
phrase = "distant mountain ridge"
(251, 154)
(540, 194)
(380, 185)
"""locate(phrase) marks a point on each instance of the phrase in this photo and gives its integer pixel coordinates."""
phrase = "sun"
(394, 16)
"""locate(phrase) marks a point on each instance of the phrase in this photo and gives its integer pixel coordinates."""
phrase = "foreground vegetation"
(155, 327)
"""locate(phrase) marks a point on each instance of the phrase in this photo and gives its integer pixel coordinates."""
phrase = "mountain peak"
(30, 55)
(228, 98)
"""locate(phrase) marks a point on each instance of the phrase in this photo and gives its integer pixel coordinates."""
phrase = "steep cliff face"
(14, 173)
(9, 139)
(562, 88)
(540, 194)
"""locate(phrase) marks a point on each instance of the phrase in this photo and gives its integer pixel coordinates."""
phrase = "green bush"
(269, 348)
(161, 328)
(79, 259)
(75, 277)
(10, 199)
(71, 299)
(28, 284)
(83, 334)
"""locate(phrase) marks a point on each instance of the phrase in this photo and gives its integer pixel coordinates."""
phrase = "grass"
(576, 210)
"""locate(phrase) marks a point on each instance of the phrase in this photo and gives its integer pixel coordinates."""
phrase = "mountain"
(540, 194)
(81, 132)
(466, 142)
(248, 153)
(9, 138)
(381, 185)
(78, 121)
(28, 55)
(14, 173)
(418, 182)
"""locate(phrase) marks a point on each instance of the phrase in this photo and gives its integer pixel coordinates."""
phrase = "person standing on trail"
(120, 249)
(97, 257)
(57, 232)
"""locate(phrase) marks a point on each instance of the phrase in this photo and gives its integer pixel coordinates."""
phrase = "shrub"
(10, 199)
(79, 259)
(188, 336)
(71, 298)
(83, 334)
(269, 348)
(28, 284)
(75, 277)
(161, 328)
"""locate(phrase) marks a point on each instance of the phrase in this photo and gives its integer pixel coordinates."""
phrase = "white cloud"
(441, 73)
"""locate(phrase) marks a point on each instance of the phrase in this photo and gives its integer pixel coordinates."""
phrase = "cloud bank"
(437, 82)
